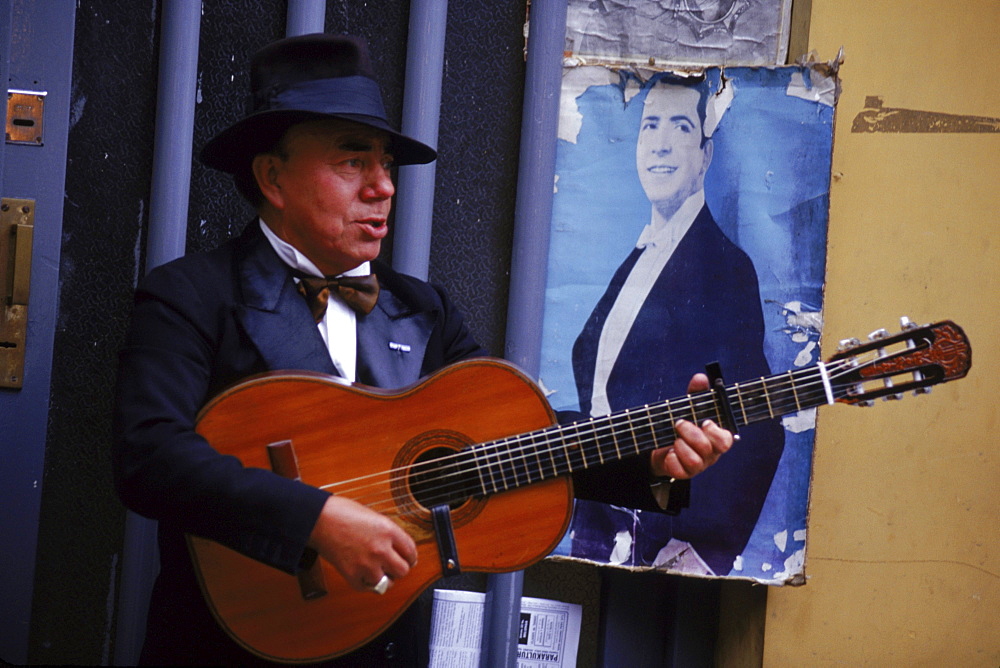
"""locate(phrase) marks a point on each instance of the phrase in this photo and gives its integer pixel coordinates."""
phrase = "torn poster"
(689, 226)
(700, 32)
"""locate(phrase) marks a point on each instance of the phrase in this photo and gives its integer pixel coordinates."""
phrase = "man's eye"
(350, 165)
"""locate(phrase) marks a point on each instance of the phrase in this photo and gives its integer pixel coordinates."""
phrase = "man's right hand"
(361, 544)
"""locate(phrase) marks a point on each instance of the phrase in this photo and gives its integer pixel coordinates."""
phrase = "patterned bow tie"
(359, 292)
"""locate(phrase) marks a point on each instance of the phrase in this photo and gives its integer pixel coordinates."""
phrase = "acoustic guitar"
(478, 440)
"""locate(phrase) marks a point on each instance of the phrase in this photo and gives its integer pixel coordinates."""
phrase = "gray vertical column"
(532, 215)
(535, 182)
(305, 17)
(174, 134)
(411, 250)
(168, 209)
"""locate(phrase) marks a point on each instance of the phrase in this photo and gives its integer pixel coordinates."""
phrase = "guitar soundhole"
(437, 472)
(435, 479)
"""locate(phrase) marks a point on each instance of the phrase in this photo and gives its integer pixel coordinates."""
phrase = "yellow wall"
(903, 556)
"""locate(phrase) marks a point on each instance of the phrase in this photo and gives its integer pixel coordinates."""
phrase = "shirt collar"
(660, 232)
(291, 256)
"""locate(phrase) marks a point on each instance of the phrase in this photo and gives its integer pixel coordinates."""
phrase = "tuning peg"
(906, 324)
(877, 335)
(847, 344)
(880, 333)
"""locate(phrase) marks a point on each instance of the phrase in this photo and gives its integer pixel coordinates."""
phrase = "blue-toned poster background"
(767, 188)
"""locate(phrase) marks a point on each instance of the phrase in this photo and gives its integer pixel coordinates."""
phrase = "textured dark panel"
(479, 140)
(108, 166)
(229, 36)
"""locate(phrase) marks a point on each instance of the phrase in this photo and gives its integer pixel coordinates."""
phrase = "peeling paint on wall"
(876, 117)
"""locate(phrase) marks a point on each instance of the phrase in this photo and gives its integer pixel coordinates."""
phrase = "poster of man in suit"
(689, 227)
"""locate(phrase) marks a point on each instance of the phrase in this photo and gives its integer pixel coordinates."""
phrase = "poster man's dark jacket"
(704, 306)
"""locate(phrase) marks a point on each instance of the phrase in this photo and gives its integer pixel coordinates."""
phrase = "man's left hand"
(696, 448)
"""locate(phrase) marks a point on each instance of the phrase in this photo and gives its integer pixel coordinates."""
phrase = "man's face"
(668, 156)
(332, 192)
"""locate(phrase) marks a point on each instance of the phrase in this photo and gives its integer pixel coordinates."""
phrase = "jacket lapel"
(392, 340)
(273, 313)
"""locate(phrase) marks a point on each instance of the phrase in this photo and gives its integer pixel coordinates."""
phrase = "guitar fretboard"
(528, 458)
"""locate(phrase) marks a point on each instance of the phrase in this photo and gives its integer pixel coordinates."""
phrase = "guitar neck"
(528, 458)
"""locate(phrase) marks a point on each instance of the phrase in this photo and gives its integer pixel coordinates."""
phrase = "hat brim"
(235, 147)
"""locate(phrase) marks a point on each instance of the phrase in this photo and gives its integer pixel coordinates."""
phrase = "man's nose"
(379, 185)
(662, 144)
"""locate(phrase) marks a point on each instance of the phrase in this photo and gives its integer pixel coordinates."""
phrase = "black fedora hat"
(306, 78)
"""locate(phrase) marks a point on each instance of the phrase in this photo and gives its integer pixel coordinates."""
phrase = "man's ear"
(266, 167)
(707, 153)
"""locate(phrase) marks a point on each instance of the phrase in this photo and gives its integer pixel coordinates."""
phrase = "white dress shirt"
(659, 239)
(339, 326)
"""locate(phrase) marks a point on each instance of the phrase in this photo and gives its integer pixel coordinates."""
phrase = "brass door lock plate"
(25, 109)
(17, 226)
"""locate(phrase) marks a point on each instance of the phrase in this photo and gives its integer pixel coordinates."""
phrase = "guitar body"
(362, 443)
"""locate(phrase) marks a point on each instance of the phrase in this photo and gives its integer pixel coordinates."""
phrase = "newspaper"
(548, 633)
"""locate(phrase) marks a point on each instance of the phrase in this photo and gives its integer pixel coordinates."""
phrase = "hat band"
(341, 95)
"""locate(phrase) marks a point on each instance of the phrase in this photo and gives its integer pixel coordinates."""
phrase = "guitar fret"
(672, 419)
(492, 488)
(552, 457)
(694, 411)
(518, 463)
(569, 462)
(600, 448)
(718, 411)
(795, 394)
(614, 439)
(652, 427)
(767, 397)
(739, 398)
(578, 448)
(629, 418)
(503, 472)
(479, 469)
(538, 458)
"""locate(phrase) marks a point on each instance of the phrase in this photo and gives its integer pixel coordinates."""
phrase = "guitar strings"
(660, 420)
(781, 398)
(705, 401)
(660, 427)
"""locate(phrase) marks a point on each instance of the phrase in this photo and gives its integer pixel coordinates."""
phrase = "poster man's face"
(669, 156)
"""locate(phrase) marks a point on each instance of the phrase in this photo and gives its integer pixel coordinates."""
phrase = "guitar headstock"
(888, 365)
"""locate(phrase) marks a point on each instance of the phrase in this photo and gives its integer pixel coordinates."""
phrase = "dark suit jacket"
(705, 306)
(200, 324)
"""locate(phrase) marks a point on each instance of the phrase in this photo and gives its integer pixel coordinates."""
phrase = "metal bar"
(173, 137)
(168, 210)
(411, 250)
(532, 215)
(536, 175)
(305, 17)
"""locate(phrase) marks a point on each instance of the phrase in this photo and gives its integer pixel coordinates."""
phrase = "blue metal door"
(36, 50)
